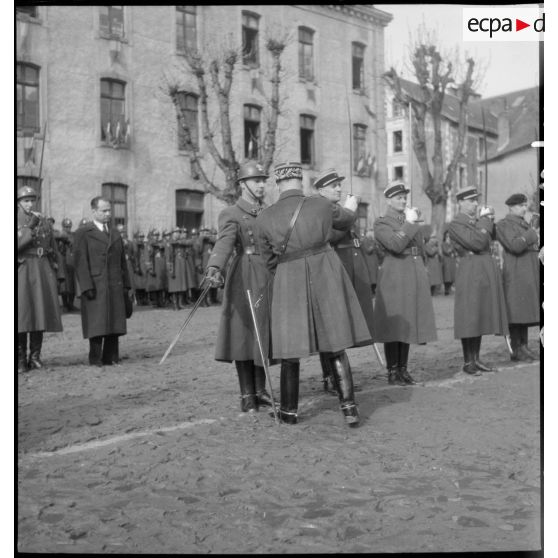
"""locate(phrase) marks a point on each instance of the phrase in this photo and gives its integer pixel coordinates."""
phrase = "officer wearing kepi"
(521, 274)
(480, 307)
(314, 306)
(236, 338)
(38, 309)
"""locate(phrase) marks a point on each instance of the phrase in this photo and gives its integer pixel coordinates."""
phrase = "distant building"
(94, 78)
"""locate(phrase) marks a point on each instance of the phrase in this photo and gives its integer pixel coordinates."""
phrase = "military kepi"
(467, 193)
(285, 171)
(327, 177)
(395, 188)
(516, 199)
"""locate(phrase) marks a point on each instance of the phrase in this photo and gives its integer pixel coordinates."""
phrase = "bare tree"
(434, 73)
(214, 74)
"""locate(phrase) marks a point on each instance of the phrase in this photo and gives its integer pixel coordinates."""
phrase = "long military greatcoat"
(314, 307)
(38, 308)
(403, 310)
(355, 265)
(521, 269)
(433, 264)
(100, 264)
(480, 307)
(236, 338)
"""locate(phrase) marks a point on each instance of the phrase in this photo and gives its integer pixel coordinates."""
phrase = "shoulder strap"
(291, 225)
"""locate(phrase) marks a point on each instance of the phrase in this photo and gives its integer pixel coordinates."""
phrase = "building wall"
(73, 57)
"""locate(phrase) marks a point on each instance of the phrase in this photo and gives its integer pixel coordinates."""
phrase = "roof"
(450, 109)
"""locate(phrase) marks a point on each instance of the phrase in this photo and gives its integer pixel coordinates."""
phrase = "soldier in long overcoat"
(480, 307)
(370, 251)
(236, 338)
(432, 261)
(175, 257)
(102, 273)
(314, 306)
(157, 269)
(403, 313)
(521, 275)
(38, 309)
(347, 246)
(139, 265)
(449, 263)
(69, 291)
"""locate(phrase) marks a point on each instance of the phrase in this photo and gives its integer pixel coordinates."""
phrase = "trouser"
(103, 349)
(397, 354)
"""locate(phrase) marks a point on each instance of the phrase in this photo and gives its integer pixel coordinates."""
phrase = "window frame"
(394, 172)
(108, 32)
(246, 120)
(399, 143)
(122, 117)
(360, 87)
(114, 201)
(359, 138)
(188, 42)
(194, 212)
(22, 126)
(303, 120)
(302, 66)
(248, 16)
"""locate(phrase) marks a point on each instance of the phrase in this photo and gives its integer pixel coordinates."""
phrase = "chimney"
(503, 129)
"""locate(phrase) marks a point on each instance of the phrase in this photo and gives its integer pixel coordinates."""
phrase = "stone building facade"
(93, 116)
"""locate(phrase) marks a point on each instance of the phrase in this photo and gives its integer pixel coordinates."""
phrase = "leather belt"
(470, 253)
(299, 254)
(250, 252)
(340, 246)
(412, 251)
(36, 253)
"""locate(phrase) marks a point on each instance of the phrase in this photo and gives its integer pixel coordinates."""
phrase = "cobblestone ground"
(142, 458)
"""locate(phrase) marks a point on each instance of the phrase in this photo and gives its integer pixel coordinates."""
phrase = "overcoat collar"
(466, 219)
(517, 219)
(394, 214)
(93, 231)
(292, 193)
(250, 208)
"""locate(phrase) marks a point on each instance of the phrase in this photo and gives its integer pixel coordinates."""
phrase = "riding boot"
(70, 300)
(264, 399)
(476, 351)
(95, 350)
(248, 398)
(22, 352)
(290, 374)
(35, 345)
(403, 358)
(391, 351)
(344, 383)
(524, 333)
(110, 350)
(468, 357)
(327, 374)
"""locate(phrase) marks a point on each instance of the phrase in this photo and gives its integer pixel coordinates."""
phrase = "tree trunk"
(438, 217)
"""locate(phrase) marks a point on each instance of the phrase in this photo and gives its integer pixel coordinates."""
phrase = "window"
(360, 162)
(307, 139)
(186, 38)
(117, 195)
(112, 22)
(397, 109)
(250, 30)
(358, 67)
(189, 108)
(306, 53)
(481, 148)
(189, 209)
(398, 141)
(362, 218)
(113, 117)
(399, 173)
(30, 11)
(32, 181)
(252, 116)
(28, 98)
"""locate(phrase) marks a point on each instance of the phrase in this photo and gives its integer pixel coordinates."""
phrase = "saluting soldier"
(38, 309)
(449, 263)
(403, 314)
(236, 338)
(347, 246)
(480, 307)
(521, 275)
(314, 306)
(433, 264)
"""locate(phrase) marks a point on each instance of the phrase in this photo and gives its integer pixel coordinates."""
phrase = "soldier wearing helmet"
(236, 339)
(65, 242)
(38, 308)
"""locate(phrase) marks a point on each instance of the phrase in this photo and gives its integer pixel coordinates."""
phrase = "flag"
(360, 165)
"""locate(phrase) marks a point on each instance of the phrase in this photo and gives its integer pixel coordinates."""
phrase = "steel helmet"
(251, 169)
(26, 192)
(66, 222)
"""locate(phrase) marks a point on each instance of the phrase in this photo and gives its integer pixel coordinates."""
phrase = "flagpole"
(410, 157)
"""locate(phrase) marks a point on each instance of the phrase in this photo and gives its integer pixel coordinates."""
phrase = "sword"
(187, 321)
(376, 350)
(264, 360)
(508, 344)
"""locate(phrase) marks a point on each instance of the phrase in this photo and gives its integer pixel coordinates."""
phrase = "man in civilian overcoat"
(236, 338)
(521, 274)
(480, 307)
(314, 306)
(101, 269)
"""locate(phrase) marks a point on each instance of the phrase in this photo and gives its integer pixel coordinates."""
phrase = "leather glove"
(487, 211)
(90, 294)
(34, 221)
(412, 214)
(351, 202)
(213, 274)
